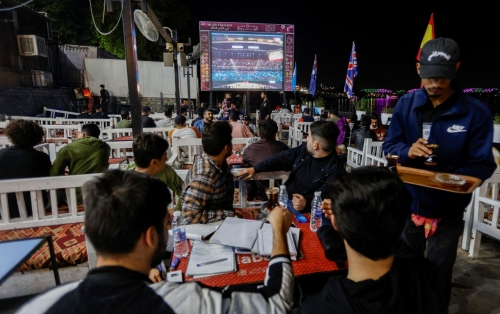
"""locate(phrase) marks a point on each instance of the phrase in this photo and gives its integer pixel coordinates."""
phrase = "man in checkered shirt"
(209, 186)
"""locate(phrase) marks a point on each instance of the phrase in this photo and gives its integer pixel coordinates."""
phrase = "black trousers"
(441, 246)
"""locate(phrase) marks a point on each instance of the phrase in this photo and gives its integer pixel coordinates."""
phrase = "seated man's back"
(88, 154)
(259, 151)
(21, 160)
(126, 219)
(368, 208)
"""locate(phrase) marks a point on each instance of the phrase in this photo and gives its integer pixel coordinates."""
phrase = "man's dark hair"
(234, 114)
(371, 206)
(184, 109)
(215, 137)
(148, 146)
(120, 206)
(168, 112)
(201, 111)
(268, 129)
(366, 119)
(24, 133)
(124, 115)
(91, 129)
(98, 107)
(206, 110)
(328, 132)
(102, 85)
(334, 110)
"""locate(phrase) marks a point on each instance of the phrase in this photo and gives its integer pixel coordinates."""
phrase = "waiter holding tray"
(439, 128)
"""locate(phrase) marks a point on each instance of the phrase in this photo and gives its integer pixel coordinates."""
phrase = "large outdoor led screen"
(238, 56)
(246, 61)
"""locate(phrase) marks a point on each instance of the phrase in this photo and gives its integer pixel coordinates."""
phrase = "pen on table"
(211, 262)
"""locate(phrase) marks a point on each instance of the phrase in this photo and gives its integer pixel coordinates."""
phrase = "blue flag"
(294, 78)
(352, 71)
(312, 85)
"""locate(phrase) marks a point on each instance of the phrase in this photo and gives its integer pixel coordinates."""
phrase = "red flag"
(429, 34)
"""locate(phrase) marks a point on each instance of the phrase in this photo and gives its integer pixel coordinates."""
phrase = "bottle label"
(179, 235)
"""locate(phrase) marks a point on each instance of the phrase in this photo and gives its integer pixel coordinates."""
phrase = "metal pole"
(53, 259)
(132, 71)
(189, 69)
(248, 109)
(176, 74)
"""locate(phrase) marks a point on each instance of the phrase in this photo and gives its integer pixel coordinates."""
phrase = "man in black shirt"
(311, 166)
(84, 115)
(265, 107)
(147, 122)
(21, 160)
(99, 114)
(368, 208)
(104, 99)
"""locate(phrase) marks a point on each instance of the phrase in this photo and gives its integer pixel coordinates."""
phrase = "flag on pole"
(312, 85)
(294, 78)
(352, 72)
(429, 34)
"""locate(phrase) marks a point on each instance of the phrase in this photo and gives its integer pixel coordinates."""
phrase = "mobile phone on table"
(301, 218)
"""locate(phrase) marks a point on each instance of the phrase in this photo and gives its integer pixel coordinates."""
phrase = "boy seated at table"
(150, 156)
(369, 208)
(126, 220)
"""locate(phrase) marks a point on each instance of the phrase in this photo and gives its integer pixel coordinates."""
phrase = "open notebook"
(264, 242)
(203, 252)
(245, 234)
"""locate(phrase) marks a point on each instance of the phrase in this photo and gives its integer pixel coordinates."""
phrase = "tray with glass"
(438, 180)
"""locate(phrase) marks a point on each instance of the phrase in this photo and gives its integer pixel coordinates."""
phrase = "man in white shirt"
(167, 121)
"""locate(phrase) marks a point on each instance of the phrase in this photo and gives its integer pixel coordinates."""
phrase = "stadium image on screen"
(246, 61)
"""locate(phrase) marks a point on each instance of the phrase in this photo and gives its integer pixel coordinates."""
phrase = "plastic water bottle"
(283, 196)
(179, 231)
(316, 211)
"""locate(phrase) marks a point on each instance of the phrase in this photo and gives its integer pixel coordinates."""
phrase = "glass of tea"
(432, 159)
(272, 198)
(392, 162)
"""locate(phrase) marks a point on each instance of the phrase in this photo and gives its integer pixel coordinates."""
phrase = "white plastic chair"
(485, 202)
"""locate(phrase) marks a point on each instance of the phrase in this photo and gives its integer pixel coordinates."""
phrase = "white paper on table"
(237, 232)
(265, 240)
(203, 252)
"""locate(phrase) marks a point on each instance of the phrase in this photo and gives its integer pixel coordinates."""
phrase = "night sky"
(387, 37)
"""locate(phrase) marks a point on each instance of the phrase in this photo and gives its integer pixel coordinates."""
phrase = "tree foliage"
(72, 24)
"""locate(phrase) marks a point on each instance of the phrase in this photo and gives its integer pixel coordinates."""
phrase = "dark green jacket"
(83, 156)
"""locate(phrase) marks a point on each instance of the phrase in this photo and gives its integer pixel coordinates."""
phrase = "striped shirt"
(208, 191)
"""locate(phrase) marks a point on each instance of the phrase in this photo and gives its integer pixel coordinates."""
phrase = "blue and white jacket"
(464, 134)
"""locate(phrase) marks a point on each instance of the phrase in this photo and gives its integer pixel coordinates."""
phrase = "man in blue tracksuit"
(439, 113)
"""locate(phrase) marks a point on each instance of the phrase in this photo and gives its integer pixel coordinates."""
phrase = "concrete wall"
(30, 101)
(154, 78)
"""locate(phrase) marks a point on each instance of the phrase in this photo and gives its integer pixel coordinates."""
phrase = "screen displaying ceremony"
(246, 61)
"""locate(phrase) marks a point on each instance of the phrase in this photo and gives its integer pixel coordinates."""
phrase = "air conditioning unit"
(31, 45)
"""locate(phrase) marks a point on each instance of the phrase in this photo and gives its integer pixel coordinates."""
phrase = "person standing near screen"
(104, 98)
(265, 107)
